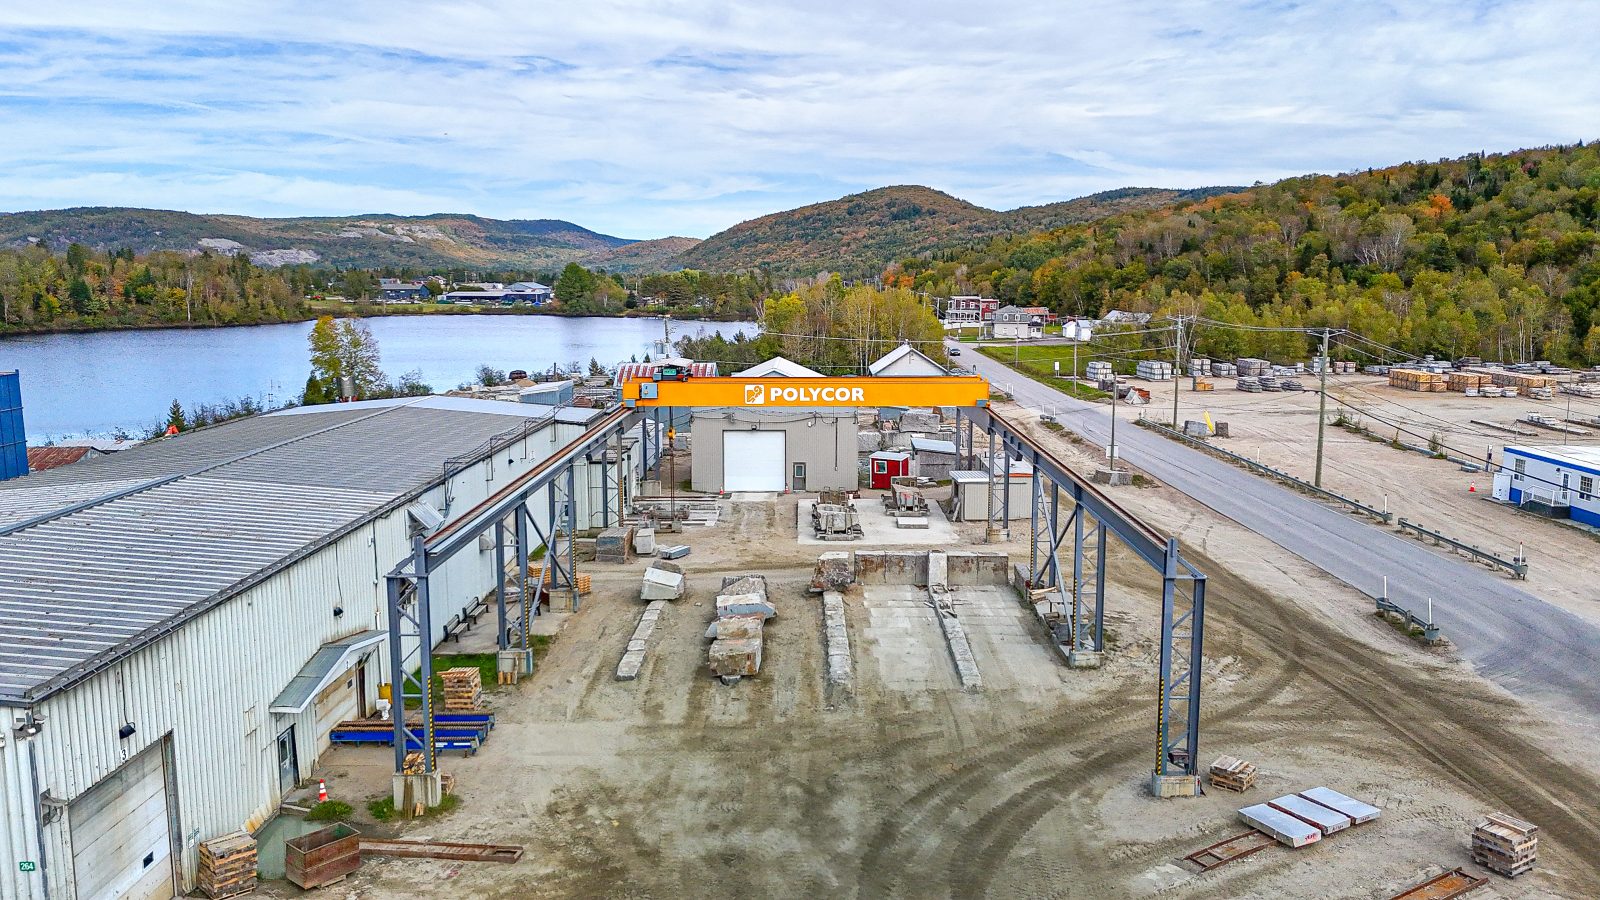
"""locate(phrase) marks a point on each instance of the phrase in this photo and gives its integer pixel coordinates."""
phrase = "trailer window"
(1521, 466)
(1586, 485)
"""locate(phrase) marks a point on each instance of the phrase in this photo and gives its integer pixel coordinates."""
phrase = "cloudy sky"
(644, 119)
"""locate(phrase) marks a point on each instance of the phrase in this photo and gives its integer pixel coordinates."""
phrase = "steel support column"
(410, 621)
(1100, 586)
(500, 584)
(572, 534)
(530, 599)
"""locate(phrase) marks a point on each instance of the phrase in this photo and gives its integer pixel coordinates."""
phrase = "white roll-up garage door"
(752, 460)
(121, 844)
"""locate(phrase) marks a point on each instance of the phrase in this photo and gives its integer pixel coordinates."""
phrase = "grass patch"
(1038, 363)
(488, 664)
(1138, 480)
(381, 809)
(329, 811)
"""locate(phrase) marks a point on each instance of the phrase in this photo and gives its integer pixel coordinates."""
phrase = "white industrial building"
(1560, 481)
(181, 623)
(905, 360)
(970, 493)
(774, 450)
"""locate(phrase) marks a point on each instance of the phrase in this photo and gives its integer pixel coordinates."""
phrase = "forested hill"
(374, 241)
(859, 234)
(1487, 255)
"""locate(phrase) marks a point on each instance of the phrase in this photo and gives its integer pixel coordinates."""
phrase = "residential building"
(183, 622)
(778, 367)
(905, 360)
(969, 309)
(1044, 313)
(1014, 323)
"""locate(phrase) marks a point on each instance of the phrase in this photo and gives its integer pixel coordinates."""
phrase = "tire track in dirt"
(1417, 717)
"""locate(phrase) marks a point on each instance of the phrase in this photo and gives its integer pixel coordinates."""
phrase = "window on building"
(1586, 485)
(1520, 466)
(880, 466)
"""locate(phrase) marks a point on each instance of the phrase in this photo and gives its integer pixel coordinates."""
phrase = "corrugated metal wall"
(210, 683)
(13, 439)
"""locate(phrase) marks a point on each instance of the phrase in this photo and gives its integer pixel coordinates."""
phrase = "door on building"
(752, 460)
(799, 480)
(122, 832)
(288, 762)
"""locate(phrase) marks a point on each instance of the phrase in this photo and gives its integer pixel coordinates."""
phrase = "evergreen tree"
(315, 393)
(176, 420)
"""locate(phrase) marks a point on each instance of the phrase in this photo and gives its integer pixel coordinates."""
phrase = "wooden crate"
(322, 857)
(1505, 844)
(228, 865)
(1233, 774)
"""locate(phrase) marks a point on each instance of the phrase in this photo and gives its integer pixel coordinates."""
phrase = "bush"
(329, 811)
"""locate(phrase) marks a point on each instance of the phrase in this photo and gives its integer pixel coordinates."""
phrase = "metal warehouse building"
(774, 450)
(181, 623)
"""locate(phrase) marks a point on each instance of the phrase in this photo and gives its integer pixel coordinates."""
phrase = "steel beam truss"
(410, 615)
(1086, 523)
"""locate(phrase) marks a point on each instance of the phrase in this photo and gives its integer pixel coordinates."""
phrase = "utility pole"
(1322, 406)
(1111, 450)
(1177, 373)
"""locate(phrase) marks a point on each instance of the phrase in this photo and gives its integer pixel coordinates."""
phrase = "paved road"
(1533, 648)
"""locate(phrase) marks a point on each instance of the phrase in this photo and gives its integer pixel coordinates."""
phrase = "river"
(93, 384)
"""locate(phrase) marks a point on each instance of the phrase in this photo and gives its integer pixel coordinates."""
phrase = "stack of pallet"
(1233, 774)
(463, 688)
(1249, 365)
(1098, 370)
(1466, 381)
(1503, 844)
(1417, 380)
(1519, 380)
(545, 574)
(228, 865)
(1153, 370)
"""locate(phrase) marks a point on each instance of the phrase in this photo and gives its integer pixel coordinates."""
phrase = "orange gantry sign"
(931, 390)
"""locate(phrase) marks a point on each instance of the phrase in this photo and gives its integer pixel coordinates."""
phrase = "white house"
(906, 360)
(1015, 323)
(778, 367)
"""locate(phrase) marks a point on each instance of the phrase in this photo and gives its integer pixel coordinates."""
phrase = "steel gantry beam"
(410, 621)
(1091, 519)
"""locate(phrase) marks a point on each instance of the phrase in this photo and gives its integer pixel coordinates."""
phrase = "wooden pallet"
(1442, 887)
(504, 853)
(228, 865)
(1233, 774)
(463, 688)
(1237, 847)
(1505, 844)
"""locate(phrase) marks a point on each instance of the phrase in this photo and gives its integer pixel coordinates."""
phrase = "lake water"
(78, 384)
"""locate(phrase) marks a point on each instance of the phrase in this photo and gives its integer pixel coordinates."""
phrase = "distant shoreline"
(342, 310)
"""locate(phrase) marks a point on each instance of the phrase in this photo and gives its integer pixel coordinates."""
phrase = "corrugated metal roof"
(212, 510)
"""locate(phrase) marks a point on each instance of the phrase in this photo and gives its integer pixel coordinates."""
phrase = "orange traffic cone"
(322, 791)
(1473, 488)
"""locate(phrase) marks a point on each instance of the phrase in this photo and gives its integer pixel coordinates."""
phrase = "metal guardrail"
(1516, 565)
(1430, 631)
(1381, 515)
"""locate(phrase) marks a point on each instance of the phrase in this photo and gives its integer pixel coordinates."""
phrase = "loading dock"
(753, 460)
(121, 832)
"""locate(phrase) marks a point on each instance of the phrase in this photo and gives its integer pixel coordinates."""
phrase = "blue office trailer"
(13, 439)
(1563, 481)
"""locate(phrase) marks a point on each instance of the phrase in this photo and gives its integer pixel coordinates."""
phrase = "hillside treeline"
(827, 326)
(84, 289)
(1495, 256)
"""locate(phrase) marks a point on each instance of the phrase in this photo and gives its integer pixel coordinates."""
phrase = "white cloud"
(647, 118)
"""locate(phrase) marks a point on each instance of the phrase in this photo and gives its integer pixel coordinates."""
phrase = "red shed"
(886, 464)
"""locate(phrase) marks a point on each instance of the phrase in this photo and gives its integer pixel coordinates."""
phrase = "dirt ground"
(1280, 430)
(675, 785)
